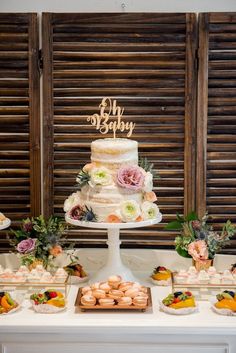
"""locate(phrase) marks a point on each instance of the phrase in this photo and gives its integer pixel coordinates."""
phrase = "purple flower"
(28, 227)
(130, 177)
(26, 246)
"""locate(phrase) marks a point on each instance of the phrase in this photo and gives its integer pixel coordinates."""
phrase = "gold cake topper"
(109, 109)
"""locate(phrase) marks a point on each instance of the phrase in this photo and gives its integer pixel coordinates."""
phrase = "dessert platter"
(225, 303)
(50, 301)
(4, 221)
(161, 276)
(179, 303)
(114, 294)
(115, 192)
(7, 303)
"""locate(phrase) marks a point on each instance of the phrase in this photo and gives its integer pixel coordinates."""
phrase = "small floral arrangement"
(39, 239)
(197, 239)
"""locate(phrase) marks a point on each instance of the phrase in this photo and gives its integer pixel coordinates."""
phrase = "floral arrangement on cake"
(39, 240)
(197, 239)
(130, 179)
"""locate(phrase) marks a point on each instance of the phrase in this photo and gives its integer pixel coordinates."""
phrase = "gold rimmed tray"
(114, 307)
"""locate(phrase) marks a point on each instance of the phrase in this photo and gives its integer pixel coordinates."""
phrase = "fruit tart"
(76, 272)
(179, 303)
(226, 303)
(7, 303)
(161, 276)
(48, 302)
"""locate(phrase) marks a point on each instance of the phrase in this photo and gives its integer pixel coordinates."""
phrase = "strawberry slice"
(53, 294)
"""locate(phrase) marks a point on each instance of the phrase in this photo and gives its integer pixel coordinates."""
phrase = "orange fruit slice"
(226, 304)
(190, 302)
(160, 276)
(59, 302)
(5, 304)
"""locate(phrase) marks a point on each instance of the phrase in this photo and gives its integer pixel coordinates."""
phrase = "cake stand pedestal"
(114, 265)
(6, 224)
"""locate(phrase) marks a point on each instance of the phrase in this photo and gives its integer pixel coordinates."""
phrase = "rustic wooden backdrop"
(19, 118)
(216, 132)
(149, 63)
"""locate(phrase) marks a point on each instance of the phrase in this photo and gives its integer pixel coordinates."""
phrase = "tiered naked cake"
(114, 188)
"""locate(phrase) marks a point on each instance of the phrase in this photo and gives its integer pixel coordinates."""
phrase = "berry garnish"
(176, 300)
(189, 294)
(53, 294)
(176, 294)
(161, 268)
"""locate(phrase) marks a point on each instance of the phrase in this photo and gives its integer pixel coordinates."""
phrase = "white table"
(129, 332)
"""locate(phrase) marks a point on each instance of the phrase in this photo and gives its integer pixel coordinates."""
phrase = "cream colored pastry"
(124, 286)
(2, 218)
(105, 286)
(142, 295)
(107, 302)
(124, 301)
(114, 281)
(88, 300)
(115, 294)
(85, 289)
(140, 301)
(132, 292)
(99, 293)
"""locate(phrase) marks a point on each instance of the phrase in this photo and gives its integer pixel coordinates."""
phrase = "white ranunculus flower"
(71, 201)
(129, 210)
(149, 210)
(148, 182)
(100, 176)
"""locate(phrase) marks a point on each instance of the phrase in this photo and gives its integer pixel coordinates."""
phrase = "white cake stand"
(6, 224)
(114, 265)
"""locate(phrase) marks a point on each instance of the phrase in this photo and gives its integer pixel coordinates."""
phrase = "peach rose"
(56, 250)
(88, 167)
(198, 250)
(112, 218)
(150, 196)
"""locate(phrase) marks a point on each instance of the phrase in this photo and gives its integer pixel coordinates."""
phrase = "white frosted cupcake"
(192, 270)
(215, 279)
(227, 277)
(211, 271)
(203, 277)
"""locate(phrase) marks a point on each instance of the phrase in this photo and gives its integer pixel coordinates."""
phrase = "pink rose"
(198, 250)
(76, 212)
(26, 246)
(130, 177)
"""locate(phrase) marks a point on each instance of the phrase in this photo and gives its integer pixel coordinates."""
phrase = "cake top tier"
(114, 151)
(114, 146)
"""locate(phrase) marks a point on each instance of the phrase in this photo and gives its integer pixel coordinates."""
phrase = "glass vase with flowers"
(198, 240)
(39, 241)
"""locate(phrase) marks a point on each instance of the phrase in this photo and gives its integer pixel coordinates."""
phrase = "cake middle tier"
(105, 200)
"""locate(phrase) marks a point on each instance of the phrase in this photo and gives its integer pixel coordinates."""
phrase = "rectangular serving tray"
(114, 307)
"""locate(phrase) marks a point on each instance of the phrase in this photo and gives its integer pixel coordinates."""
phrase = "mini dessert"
(140, 301)
(124, 301)
(115, 294)
(88, 300)
(192, 270)
(211, 271)
(105, 286)
(95, 285)
(161, 276)
(48, 302)
(75, 269)
(124, 286)
(227, 277)
(114, 281)
(233, 269)
(179, 303)
(60, 275)
(226, 300)
(7, 303)
(99, 294)
(106, 302)
(215, 279)
(203, 277)
(132, 292)
(86, 289)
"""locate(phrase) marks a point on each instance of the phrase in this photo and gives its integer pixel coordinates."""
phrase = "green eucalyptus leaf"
(192, 216)
(175, 225)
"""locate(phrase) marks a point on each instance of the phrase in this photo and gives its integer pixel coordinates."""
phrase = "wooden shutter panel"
(146, 62)
(216, 152)
(19, 118)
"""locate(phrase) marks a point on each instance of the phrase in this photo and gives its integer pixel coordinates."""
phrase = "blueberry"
(231, 293)
(176, 294)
